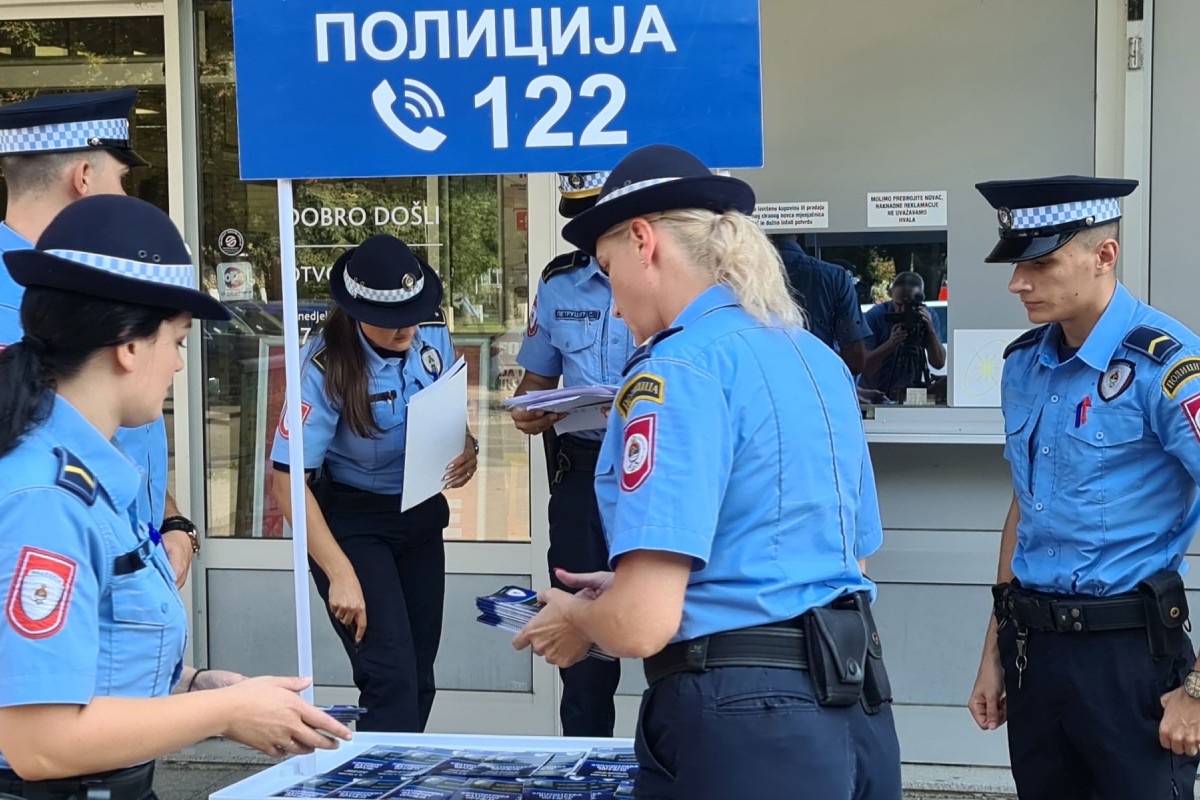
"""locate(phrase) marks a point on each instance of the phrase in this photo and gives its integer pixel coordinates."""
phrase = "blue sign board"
(373, 88)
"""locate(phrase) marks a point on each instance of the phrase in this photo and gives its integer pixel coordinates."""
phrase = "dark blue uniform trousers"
(577, 545)
(755, 733)
(400, 562)
(1083, 724)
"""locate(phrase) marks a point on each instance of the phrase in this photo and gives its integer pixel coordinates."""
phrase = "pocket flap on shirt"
(1107, 428)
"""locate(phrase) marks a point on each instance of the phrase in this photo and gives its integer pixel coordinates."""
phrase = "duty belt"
(778, 646)
(575, 455)
(1047, 613)
(131, 783)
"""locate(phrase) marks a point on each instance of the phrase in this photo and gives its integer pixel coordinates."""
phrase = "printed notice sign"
(791, 216)
(906, 209)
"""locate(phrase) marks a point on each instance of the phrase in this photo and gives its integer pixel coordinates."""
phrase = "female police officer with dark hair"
(369, 560)
(93, 630)
(738, 499)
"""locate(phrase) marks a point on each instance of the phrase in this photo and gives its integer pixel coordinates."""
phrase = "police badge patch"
(431, 359)
(637, 454)
(1116, 380)
(40, 593)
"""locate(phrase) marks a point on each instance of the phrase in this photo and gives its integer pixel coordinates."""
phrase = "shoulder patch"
(1157, 344)
(565, 263)
(643, 386)
(320, 359)
(74, 476)
(642, 353)
(40, 593)
(1026, 339)
(438, 318)
(1180, 373)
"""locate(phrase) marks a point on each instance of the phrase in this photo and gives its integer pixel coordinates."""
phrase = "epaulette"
(1026, 339)
(565, 263)
(643, 352)
(320, 359)
(1157, 344)
(74, 476)
(438, 318)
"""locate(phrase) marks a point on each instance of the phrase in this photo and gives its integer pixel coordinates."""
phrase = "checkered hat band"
(633, 187)
(1050, 216)
(389, 296)
(183, 275)
(62, 136)
(585, 183)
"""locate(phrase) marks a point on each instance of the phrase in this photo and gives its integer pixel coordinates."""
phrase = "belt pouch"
(837, 653)
(1166, 612)
(877, 689)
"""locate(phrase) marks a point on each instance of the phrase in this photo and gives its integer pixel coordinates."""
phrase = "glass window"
(471, 230)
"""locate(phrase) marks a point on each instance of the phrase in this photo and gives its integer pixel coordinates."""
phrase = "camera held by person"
(904, 340)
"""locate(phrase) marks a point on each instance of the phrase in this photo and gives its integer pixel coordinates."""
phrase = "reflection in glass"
(470, 229)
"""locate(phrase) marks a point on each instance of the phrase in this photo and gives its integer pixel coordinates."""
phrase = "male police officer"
(1087, 656)
(826, 293)
(573, 334)
(54, 150)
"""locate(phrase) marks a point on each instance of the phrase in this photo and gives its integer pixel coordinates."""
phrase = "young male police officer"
(56, 149)
(1087, 656)
(573, 335)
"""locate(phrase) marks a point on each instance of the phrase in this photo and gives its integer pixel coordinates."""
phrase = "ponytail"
(63, 330)
(731, 249)
(346, 382)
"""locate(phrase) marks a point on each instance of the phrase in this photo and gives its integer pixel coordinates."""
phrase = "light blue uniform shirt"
(573, 333)
(374, 465)
(73, 629)
(146, 446)
(1104, 450)
(741, 446)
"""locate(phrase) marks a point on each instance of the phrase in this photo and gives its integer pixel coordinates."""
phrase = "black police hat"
(1039, 215)
(116, 247)
(381, 282)
(62, 123)
(658, 177)
(578, 191)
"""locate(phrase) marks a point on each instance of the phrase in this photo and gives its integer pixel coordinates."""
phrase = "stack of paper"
(583, 405)
(436, 434)
(512, 607)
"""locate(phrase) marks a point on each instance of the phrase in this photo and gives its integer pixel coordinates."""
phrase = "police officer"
(899, 354)
(93, 630)
(1086, 656)
(573, 335)
(381, 572)
(736, 550)
(826, 293)
(55, 149)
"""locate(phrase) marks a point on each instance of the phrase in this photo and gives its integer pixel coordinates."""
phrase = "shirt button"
(1039, 506)
(1100, 434)
(1050, 551)
(1054, 399)
(163, 608)
(1045, 451)
(616, 340)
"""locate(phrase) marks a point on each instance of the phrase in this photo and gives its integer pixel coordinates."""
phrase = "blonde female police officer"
(381, 572)
(737, 497)
(93, 630)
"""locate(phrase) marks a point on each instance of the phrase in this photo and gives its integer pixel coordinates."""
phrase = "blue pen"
(155, 536)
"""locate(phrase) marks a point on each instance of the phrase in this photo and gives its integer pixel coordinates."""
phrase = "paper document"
(437, 430)
(583, 406)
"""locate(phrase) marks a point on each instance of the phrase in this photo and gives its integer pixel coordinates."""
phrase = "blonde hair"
(733, 250)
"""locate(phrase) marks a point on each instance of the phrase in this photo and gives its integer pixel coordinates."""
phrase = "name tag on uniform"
(578, 314)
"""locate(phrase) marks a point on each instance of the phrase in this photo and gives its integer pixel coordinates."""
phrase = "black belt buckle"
(1068, 617)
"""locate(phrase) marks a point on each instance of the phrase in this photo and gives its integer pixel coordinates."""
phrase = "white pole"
(295, 425)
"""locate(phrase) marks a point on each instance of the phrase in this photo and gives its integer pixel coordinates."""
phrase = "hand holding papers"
(583, 405)
(512, 607)
(437, 423)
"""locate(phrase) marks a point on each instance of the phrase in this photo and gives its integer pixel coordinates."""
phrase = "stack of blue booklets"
(512, 607)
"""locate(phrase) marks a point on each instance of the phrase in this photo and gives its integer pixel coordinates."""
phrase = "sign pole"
(295, 426)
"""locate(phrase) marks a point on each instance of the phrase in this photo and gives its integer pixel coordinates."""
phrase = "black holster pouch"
(877, 689)
(1002, 601)
(1166, 612)
(836, 636)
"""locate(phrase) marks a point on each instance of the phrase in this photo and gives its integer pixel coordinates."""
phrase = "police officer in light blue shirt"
(380, 571)
(738, 501)
(1087, 657)
(93, 630)
(54, 150)
(573, 335)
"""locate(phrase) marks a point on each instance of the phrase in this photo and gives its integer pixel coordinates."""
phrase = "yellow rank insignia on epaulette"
(319, 358)
(438, 318)
(74, 476)
(643, 386)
